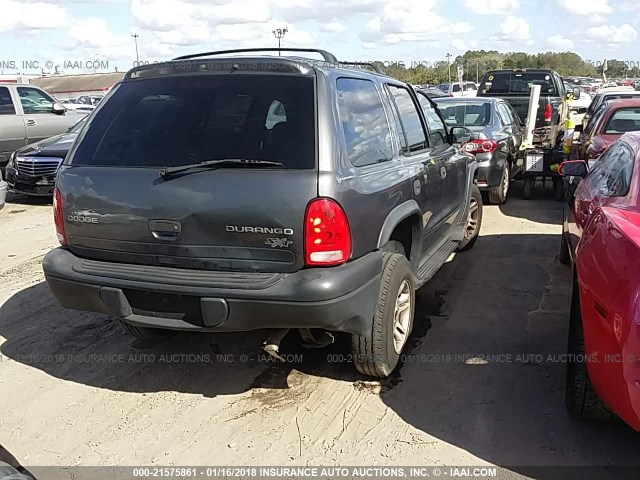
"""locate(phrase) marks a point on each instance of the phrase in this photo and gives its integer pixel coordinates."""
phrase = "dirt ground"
(481, 383)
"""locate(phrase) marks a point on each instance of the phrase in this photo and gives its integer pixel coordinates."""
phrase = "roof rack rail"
(328, 57)
(371, 65)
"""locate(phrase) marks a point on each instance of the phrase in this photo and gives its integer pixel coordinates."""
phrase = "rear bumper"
(489, 172)
(35, 186)
(340, 299)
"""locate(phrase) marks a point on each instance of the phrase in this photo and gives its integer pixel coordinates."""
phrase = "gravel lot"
(478, 385)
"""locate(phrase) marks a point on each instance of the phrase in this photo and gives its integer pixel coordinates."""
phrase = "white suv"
(468, 89)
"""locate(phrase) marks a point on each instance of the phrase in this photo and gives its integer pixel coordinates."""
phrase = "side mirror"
(578, 128)
(58, 109)
(576, 93)
(461, 134)
(573, 168)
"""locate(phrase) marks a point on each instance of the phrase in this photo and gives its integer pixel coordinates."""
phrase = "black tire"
(375, 354)
(581, 399)
(152, 335)
(499, 195)
(528, 188)
(394, 246)
(564, 257)
(558, 188)
(468, 242)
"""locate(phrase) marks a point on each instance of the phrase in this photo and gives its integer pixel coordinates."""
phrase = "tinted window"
(173, 121)
(518, 83)
(444, 87)
(366, 130)
(34, 101)
(593, 121)
(409, 119)
(437, 129)
(470, 86)
(466, 114)
(6, 105)
(503, 113)
(611, 175)
(456, 87)
(623, 121)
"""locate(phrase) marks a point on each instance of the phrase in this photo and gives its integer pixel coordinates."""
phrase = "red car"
(601, 239)
(609, 122)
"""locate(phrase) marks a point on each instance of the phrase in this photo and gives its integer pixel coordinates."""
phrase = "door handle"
(165, 229)
(30, 122)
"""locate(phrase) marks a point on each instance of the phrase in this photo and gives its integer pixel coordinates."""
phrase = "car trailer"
(543, 164)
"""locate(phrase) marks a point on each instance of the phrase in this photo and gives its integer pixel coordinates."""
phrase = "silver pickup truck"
(29, 114)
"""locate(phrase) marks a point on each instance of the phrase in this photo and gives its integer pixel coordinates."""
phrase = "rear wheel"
(580, 397)
(378, 353)
(474, 220)
(499, 195)
(150, 335)
(528, 188)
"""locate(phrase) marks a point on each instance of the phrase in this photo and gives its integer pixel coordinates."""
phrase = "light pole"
(279, 33)
(135, 40)
(449, 65)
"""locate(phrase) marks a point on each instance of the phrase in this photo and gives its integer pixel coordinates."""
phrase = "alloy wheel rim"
(402, 317)
(505, 182)
(472, 219)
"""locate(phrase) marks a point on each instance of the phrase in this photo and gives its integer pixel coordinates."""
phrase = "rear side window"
(414, 135)
(6, 105)
(504, 114)
(364, 122)
(181, 120)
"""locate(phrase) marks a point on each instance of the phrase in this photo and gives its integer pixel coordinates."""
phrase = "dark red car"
(609, 122)
(601, 239)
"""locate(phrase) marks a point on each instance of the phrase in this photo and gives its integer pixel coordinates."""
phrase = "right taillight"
(58, 218)
(548, 112)
(481, 146)
(327, 238)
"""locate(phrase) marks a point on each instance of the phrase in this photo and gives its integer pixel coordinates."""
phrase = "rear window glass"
(623, 121)
(514, 83)
(474, 114)
(181, 120)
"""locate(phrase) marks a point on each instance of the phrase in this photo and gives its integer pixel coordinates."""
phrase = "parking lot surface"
(482, 382)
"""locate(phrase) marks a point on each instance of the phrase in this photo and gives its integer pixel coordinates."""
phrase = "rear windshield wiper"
(240, 162)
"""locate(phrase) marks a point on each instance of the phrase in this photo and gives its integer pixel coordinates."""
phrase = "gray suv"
(219, 193)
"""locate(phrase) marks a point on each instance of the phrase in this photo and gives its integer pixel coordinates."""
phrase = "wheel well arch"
(404, 225)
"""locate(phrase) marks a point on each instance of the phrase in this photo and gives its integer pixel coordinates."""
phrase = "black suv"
(219, 192)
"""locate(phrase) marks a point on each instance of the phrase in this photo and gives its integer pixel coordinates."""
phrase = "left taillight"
(327, 238)
(58, 218)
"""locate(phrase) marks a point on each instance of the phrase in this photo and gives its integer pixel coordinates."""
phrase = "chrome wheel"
(471, 229)
(402, 317)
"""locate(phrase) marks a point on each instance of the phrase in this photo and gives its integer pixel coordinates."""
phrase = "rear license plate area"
(535, 162)
(162, 305)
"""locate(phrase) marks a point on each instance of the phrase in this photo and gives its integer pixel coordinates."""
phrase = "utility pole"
(449, 65)
(135, 39)
(279, 33)
(478, 72)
